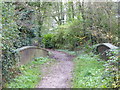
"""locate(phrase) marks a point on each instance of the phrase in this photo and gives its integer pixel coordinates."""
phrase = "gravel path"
(58, 75)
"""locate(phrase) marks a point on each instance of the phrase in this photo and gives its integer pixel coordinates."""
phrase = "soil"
(59, 75)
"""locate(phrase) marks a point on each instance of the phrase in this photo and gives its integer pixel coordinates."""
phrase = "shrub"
(48, 41)
(70, 35)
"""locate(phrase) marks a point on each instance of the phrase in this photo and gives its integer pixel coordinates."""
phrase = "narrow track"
(58, 75)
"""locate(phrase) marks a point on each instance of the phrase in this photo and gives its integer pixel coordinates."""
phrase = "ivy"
(10, 35)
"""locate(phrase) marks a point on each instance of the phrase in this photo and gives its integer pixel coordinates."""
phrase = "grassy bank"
(88, 72)
(30, 74)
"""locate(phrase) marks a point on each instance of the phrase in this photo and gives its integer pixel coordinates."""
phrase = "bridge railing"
(28, 53)
(104, 48)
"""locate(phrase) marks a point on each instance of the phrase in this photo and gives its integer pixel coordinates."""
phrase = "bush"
(70, 35)
(48, 41)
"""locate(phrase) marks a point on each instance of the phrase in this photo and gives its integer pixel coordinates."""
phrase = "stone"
(28, 53)
(104, 48)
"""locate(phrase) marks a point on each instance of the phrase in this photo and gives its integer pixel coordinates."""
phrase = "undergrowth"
(88, 73)
(30, 74)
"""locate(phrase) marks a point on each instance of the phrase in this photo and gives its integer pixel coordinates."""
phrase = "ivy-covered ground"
(30, 74)
(65, 69)
(88, 72)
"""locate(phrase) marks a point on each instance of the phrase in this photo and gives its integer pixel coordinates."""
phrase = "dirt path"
(58, 75)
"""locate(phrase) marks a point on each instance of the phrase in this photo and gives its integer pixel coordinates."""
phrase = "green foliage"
(67, 51)
(104, 27)
(10, 35)
(27, 25)
(69, 35)
(18, 29)
(93, 23)
(112, 67)
(88, 73)
(48, 41)
(30, 74)
(22, 24)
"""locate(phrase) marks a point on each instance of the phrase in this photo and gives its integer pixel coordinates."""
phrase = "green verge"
(30, 74)
(67, 51)
(88, 72)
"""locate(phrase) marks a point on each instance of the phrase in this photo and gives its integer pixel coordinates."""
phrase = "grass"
(67, 51)
(30, 74)
(88, 72)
